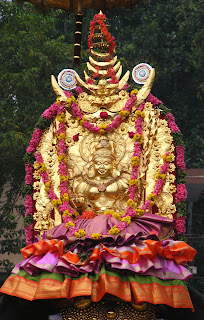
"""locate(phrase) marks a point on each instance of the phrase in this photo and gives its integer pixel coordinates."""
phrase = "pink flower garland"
(29, 234)
(180, 225)
(171, 122)
(29, 174)
(29, 205)
(34, 142)
(153, 100)
(113, 125)
(181, 193)
(180, 163)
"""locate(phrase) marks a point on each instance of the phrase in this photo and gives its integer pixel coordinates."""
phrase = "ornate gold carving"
(36, 175)
(44, 221)
(36, 195)
(172, 188)
(37, 185)
(172, 167)
(164, 203)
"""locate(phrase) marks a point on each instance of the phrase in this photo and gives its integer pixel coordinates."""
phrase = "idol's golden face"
(103, 166)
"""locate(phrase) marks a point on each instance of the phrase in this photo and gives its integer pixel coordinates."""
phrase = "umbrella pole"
(78, 30)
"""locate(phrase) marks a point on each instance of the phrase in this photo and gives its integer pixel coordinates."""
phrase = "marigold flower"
(124, 114)
(69, 101)
(42, 167)
(81, 233)
(163, 176)
(135, 91)
(111, 212)
(137, 137)
(131, 203)
(139, 212)
(63, 178)
(133, 182)
(135, 161)
(82, 121)
(58, 101)
(65, 197)
(61, 157)
(61, 117)
(102, 131)
(103, 126)
(61, 136)
(151, 197)
(126, 219)
(117, 215)
(169, 158)
(88, 214)
(65, 213)
(71, 224)
(54, 202)
(95, 235)
(59, 202)
(47, 189)
(114, 230)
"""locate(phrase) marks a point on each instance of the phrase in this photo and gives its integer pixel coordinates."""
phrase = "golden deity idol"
(106, 207)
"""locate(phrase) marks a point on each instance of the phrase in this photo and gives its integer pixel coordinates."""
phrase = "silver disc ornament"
(141, 72)
(67, 79)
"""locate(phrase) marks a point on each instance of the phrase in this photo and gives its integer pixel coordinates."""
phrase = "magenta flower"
(76, 137)
(180, 163)
(180, 225)
(104, 115)
(34, 142)
(131, 134)
(181, 193)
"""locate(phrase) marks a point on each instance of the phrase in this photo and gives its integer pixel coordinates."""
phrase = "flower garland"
(124, 219)
(123, 114)
(99, 19)
(181, 192)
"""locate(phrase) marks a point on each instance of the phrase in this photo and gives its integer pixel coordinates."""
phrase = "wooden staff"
(77, 40)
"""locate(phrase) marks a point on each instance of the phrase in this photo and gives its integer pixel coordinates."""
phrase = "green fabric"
(125, 277)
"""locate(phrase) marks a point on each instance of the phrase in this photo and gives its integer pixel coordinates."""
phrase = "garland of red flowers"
(99, 19)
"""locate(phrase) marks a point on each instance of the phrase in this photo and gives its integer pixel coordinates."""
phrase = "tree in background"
(166, 34)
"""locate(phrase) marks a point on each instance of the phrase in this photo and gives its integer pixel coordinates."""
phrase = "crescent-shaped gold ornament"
(118, 74)
(58, 91)
(103, 64)
(145, 90)
(102, 56)
(124, 80)
(102, 73)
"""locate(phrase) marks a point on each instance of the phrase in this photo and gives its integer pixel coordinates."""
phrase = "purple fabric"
(145, 225)
(148, 226)
(161, 267)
